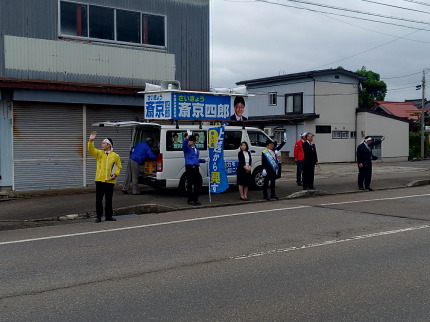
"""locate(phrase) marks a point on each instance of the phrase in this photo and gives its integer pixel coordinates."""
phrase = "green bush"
(415, 145)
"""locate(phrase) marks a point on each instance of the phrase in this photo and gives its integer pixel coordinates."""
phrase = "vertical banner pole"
(209, 178)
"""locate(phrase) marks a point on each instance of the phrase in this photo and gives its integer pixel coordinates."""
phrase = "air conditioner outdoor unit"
(269, 131)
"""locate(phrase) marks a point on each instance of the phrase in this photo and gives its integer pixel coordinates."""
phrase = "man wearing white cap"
(299, 156)
(364, 161)
(107, 170)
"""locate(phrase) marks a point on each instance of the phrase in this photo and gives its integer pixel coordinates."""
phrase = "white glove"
(189, 132)
(285, 137)
(264, 173)
(277, 152)
(208, 159)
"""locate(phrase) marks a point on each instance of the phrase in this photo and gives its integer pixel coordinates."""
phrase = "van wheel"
(257, 179)
(182, 188)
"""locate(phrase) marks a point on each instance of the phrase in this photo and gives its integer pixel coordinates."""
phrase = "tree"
(371, 89)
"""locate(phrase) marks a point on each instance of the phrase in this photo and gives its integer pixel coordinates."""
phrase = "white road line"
(196, 219)
(149, 225)
(369, 200)
(329, 242)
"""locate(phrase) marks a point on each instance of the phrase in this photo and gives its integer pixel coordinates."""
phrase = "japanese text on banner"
(217, 173)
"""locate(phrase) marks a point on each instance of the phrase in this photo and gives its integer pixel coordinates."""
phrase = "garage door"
(47, 146)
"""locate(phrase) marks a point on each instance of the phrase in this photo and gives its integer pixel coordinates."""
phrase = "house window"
(112, 25)
(339, 134)
(323, 129)
(101, 22)
(273, 99)
(153, 30)
(128, 26)
(353, 134)
(294, 103)
(73, 19)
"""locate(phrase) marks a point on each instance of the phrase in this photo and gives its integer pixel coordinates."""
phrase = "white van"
(169, 169)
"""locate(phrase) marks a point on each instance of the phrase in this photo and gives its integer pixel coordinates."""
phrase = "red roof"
(399, 109)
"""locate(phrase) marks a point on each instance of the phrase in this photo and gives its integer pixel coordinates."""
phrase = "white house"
(324, 102)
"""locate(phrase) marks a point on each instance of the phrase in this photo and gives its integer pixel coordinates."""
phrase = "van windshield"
(174, 140)
(258, 138)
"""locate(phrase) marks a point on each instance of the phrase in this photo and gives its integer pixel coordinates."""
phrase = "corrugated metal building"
(67, 64)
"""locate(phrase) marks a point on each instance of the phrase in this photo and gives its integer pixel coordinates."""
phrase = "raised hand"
(93, 135)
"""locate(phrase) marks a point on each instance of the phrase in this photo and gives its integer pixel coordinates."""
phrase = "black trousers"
(272, 179)
(299, 171)
(308, 176)
(365, 176)
(194, 182)
(104, 189)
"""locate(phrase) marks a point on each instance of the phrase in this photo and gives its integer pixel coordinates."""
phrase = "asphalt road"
(353, 257)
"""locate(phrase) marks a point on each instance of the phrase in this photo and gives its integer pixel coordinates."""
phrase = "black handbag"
(374, 157)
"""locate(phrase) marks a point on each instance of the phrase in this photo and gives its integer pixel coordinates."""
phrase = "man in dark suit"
(364, 161)
(239, 108)
(310, 160)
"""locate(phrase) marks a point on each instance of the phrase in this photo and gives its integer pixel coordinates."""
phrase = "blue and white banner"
(190, 106)
(217, 174)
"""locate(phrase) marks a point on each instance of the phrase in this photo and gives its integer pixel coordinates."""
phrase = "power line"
(418, 2)
(347, 16)
(393, 77)
(393, 6)
(358, 11)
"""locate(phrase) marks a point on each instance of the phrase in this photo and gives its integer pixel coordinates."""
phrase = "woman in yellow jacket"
(108, 169)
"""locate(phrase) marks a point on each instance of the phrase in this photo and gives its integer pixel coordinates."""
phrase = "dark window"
(232, 140)
(89, 21)
(294, 103)
(323, 129)
(128, 26)
(73, 19)
(273, 99)
(153, 30)
(257, 138)
(102, 24)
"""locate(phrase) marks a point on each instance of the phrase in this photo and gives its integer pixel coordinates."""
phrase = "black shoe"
(369, 189)
(197, 203)
(299, 183)
(125, 192)
(192, 203)
(267, 198)
(110, 219)
(97, 220)
(274, 197)
(361, 189)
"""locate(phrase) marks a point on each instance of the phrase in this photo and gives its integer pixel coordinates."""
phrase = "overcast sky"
(255, 39)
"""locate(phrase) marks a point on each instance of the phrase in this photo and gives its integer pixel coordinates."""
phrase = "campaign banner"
(195, 106)
(217, 174)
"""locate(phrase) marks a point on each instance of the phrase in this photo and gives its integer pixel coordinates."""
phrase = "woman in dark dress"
(244, 170)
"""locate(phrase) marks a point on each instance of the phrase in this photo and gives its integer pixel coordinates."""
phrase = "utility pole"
(423, 86)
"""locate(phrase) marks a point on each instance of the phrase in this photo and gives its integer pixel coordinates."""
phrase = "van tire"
(257, 179)
(182, 187)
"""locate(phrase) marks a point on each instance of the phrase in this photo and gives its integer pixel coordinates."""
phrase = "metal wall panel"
(187, 40)
(121, 137)
(47, 146)
(69, 58)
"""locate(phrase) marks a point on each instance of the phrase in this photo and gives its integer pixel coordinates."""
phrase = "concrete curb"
(155, 208)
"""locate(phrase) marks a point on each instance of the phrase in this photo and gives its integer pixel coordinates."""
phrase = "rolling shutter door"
(121, 137)
(47, 146)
